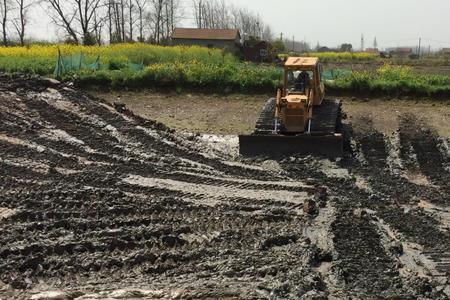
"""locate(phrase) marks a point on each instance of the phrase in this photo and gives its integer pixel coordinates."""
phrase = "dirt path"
(97, 204)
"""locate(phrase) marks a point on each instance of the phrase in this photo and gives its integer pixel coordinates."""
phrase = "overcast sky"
(333, 22)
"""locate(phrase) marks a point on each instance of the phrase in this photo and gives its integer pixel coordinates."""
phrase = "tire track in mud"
(84, 131)
(424, 226)
(363, 262)
(374, 147)
(143, 132)
(360, 263)
(77, 221)
(400, 200)
(366, 263)
(93, 229)
(424, 143)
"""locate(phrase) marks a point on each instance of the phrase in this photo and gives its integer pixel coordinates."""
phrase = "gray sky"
(333, 22)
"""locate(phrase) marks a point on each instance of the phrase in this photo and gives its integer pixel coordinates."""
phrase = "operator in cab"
(302, 82)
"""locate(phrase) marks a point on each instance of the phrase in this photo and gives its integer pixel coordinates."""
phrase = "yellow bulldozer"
(299, 120)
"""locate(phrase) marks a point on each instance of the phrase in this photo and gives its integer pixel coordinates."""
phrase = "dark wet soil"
(94, 201)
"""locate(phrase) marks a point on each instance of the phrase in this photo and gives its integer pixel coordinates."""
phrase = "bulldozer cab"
(299, 120)
(302, 77)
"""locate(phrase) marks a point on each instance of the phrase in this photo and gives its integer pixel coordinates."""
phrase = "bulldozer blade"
(329, 145)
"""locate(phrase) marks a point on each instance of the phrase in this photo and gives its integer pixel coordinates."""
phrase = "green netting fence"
(77, 62)
(73, 63)
(136, 67)
(335, 73)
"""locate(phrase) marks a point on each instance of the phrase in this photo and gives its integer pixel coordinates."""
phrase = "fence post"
(81, 59)
(58, 64)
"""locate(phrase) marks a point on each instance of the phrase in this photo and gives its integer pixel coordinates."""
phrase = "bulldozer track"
(266, 121)
(326, 117)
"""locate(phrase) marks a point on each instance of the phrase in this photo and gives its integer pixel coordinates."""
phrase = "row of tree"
(215, 14)
(14, 13)
(87, 21)
(92, 22)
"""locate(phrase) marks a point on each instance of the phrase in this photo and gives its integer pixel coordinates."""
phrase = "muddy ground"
(96, 202)
(233, 114)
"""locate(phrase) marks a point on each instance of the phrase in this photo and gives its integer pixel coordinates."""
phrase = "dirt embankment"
(98, 203)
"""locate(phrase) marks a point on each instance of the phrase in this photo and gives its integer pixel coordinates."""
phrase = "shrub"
(35, 57)
(400, 80)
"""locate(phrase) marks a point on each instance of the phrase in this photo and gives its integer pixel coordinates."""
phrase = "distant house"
(446, 51)
(260, 51)
(372, 50)
(229, 39)
(402, 51)
(324, 49)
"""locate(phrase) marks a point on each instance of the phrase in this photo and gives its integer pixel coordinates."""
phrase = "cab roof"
(301, 62)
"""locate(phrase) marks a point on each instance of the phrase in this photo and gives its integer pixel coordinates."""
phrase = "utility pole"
(293, 43)
(429, 50)
(281, 36)
(420, 43)
(362, 42)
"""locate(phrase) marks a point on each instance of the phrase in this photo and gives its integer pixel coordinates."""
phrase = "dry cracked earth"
(97, 203)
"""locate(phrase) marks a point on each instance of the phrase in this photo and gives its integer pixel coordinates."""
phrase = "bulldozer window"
(300, 83)
(290, 77)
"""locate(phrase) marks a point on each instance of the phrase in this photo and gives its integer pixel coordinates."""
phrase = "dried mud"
(99, 203)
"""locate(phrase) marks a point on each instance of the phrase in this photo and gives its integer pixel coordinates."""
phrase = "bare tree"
(21, 21)
(76, 17)
(5, 7)
(197, 12)
(117, 19)
(114, 20)
(141, 9)
(119, 16)
(267, 34)
(122, 19)
(216, 14)
(98, 24)
(63, 19)
(247, 22)
(212, 14)
(157, 6)
(131, 18)
(86, 12)
(171, 13)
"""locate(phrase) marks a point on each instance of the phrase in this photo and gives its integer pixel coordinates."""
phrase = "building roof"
(446, 50)
(301, 62)
(205, 34)
(372, 50)
(404, 49)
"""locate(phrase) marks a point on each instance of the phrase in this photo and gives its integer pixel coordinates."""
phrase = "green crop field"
(202, 68)
(393, 80)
